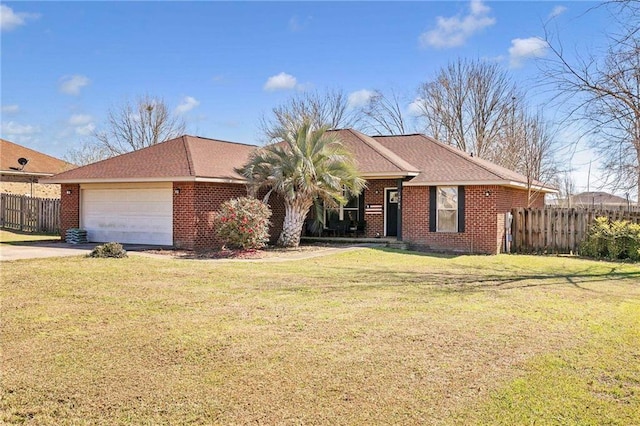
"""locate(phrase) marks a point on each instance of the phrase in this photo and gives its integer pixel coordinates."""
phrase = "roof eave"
(21, 173)
(507, 183)
(148, 179)
(388, 175)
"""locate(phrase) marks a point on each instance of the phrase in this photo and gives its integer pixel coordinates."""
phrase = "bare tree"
(566, 189)
(385, 114)
(137, 125)
(322, 109)
(602, 91)
(89, 152)
(535, 153)
(466, 105)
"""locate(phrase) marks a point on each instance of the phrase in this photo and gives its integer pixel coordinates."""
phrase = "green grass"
(16, 237)
(364, 337)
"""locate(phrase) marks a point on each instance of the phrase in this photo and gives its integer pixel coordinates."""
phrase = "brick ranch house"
(24, 179)
(420, 191)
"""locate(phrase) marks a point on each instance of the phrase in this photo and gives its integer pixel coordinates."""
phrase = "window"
(443, 215)
(447, 209)
(350, 211)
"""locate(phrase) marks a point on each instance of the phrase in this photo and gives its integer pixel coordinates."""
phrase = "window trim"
(456, 209)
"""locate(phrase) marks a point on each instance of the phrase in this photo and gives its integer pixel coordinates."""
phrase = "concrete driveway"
(34, 250)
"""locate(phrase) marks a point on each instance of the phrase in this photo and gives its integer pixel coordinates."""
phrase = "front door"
(391, 212)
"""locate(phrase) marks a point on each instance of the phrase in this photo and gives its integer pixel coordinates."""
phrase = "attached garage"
(140, 213)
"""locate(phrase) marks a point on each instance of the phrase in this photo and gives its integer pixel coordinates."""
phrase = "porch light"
(176, 191)
(487, 193)
(69, 192)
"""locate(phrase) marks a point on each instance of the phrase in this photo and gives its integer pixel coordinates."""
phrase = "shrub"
(108, 250)
(243, 223)
(612, 240)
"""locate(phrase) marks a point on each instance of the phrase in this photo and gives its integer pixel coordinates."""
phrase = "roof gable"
(373, 158)
(39, 163)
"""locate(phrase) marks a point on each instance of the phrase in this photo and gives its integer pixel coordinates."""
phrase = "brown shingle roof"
(424, 160)
(39, 163)
(443, 164)
(598, 198)
(372, 157)
(183, 158)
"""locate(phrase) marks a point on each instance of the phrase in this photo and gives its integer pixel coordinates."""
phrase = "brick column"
(69, 207)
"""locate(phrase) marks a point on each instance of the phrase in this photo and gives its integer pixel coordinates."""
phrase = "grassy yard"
(12, 237)
(364, 337)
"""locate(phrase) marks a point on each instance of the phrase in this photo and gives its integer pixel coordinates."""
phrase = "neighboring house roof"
(39, 164)
(187, 158)
(442, 164)
(597, 198)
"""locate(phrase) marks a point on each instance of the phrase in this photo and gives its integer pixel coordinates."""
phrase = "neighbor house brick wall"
(484, 219)
(20, 185)
(69, 207)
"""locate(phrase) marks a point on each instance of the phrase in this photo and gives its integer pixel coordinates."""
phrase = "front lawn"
(13, 237)
(363, 337)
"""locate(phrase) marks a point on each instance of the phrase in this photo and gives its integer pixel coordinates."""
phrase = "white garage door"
(128, 213)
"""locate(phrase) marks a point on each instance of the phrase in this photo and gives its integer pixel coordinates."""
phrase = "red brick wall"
(209, 197)
(484, 219)
(374, 194)
(193, 210)
(69, 208)
(184, 215)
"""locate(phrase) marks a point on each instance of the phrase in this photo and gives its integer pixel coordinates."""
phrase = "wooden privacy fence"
(27, 214)
(557, 230)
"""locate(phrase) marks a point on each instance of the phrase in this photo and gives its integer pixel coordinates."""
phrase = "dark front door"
(391, 212)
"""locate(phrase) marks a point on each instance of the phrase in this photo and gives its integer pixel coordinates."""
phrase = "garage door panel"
(128, 215)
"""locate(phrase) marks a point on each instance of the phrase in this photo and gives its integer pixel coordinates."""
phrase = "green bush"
(108, 250)
(243, 223)
(612, 240)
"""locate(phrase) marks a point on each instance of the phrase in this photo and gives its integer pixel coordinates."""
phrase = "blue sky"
(223, 65)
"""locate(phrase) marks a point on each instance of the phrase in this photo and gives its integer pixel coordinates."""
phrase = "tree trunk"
(295, 213)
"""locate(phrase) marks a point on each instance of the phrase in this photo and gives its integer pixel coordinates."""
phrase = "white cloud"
(82, 124)
(72, 84)
(80, 119)
(360, 98)
(14, 129)
(557, 11)
(415, 108)
(85, 130)
(454, 31)
(187, 104)
(282, 81)
(524, 48)
(10, 109)
(10, 20)
(295, 24)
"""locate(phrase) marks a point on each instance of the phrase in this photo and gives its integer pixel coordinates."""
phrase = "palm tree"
(308, 165)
